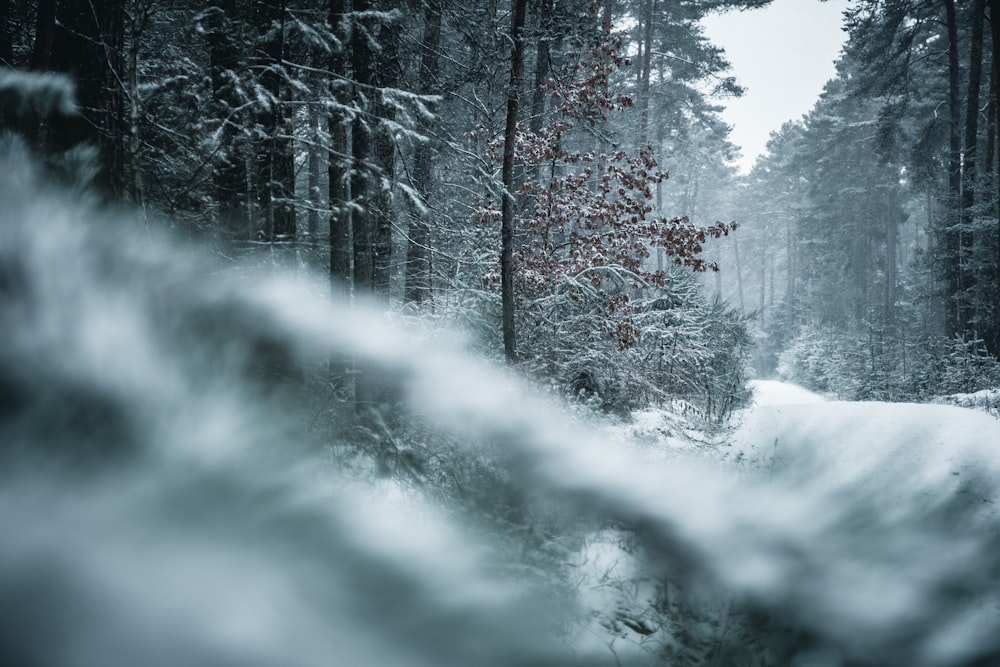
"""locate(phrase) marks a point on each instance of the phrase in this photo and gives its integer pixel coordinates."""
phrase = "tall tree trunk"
(341, 366)
(986, 166)
(341, 235)
(139, 17)
(361, 223)
(507, 206)
(87, 44)
(542, 61)
(891, 234)
(969, 166)
(995, 182)
(230, 168)
(6, 36)
(275, 161)
(607, 23)
(418, 251)
(790, 296)
(739, 272)
(315, 158)
(45, 25)
(387, 76)
(647, 64)
(952, 245)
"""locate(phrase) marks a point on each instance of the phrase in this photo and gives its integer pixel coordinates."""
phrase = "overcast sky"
(782, 54)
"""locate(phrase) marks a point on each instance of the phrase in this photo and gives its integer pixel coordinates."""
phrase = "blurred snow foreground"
(160, 506)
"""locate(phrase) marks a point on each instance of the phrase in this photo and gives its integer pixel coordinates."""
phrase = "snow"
(985, 400)
(855, 515)
(859, 434)
(775, 392)
(885, 504)
(868, 528)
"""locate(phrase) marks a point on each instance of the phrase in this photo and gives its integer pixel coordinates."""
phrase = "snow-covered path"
(886, 514)
(895, 450)
(805, 424)
(873, 526)
(775, 392)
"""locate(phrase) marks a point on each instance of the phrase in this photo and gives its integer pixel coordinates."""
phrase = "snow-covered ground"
(859, 434)
(874, 525)
(986, 400)
(775, 392)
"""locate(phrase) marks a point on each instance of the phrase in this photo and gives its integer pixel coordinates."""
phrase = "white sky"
(782, 54)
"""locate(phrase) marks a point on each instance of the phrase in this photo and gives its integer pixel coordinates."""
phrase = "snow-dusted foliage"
(868, 367)
(591, 313)
(183, 480)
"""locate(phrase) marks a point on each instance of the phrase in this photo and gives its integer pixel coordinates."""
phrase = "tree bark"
(995, 182)
(341, 235)
(87, 44)
(315, 158)
(952, 249)
(45, 25)
(542, 61)
(891, 234)
(230, 168)
(507, 206)
(418, 252)
(361, 223)
(739, 273)
(6, 36)
(969, 166)
(141, 10)
(387, 76)
(275, 161)
(647, 65)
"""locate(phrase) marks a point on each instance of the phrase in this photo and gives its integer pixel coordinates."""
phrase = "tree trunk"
(341, 235)
(275, 162)
(87, 44)
(315, 158)
(891, 233)
(387, 76)
(953, 266)
(6, 36)
(45, 25)
(507, 206)
(995, 182)
(986, 166)
(542, 63)
(647, 64)
(141, 10)
(418, 252)
(764, 260)
(790, 296)
(361, 223)
(969, 166)
(230, 168)
(739, 272)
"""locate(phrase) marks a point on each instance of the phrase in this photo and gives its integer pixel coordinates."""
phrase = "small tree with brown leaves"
(587, 225)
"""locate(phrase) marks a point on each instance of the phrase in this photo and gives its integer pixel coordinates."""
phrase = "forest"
(417, 332)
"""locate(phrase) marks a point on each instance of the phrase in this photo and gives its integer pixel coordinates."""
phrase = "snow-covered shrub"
(968, 367)
(806, 360)
(986, 400)
(685, 347)
(868, 365)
